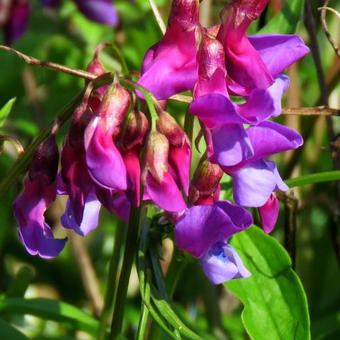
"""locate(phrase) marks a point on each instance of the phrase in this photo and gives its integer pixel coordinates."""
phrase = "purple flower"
(39, 192)
(255, 178)
(170, 66)
(222, 263)
(101, 11)
(203, 231)
(15, 19)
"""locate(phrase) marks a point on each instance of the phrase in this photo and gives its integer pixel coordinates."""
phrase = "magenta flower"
(39, 192)
(104, 161)
(170, 66)
(203, 231)
(82, 208)
(159, 184)
(269, 213)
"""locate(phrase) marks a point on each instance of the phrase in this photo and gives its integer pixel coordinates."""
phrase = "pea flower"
(39, 192)
(204, 230)
(170, 66)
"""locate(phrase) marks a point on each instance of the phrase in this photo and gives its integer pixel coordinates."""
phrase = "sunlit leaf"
(287, 20)
(274, 301)
(5, 111)
(48, 309)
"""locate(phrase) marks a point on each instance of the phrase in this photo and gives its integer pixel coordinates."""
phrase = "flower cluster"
(237, 85)
(14, 14)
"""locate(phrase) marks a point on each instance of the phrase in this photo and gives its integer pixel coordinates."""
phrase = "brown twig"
(312, 111)
(324, 10)
(50, 65)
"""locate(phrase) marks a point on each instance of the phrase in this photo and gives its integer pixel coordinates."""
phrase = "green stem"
(320, 177)
(129, 253)
(143, 321)
(189, 126)
(112, 278)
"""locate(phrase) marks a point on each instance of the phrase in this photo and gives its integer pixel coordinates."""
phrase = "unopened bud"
(114, 107)
(168, 126)
(157, 150)
(186, 12)
(95, 66)
(210, 57)
(205, 183)
(44, 164)
(137, 126)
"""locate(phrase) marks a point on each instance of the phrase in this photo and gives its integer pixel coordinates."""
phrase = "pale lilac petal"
(165, 194)
(90, 216)
(101, 11)
(254, 183)
(269, 138)
(105, 163)
(231, 145)
(269, 213)
(222, 263)
(279, 51)
(29, 209)
(264, 103)
(202, 226)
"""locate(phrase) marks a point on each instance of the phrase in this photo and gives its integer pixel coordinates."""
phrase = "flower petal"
(269, 213)
(202, 226)
(279, 51)
(222, 263)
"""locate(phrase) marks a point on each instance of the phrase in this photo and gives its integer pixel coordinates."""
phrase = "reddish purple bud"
(14, 19)
(168, 126)
(210, 56)
(269, 213)
(205, 185)
(95, 66)
(157, 151)
(186, 12)
(136, 127)
(44, 164)
(113, 108)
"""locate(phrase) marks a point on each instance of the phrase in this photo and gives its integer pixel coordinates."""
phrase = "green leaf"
(5, 111)
(320, 177)
(20, 283)
(275, 304)
(48, 309)
(7, 331)
(287, 20)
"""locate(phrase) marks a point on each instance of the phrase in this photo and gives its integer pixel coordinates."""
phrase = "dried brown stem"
(324, 10)
(158, 16)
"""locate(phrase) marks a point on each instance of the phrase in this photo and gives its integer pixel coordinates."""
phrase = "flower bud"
(210, 56)
(137, 126)
(205, 183)
(95, 66)
(157, 150)
(168, 126)
(114, 107)
(44, 164)
(186, 12)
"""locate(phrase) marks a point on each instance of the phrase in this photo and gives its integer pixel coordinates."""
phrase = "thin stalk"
(129, 254)
(158, 16)
(143, 321)
(112, 279)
